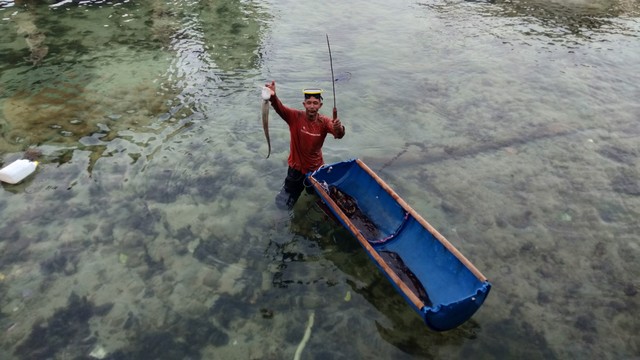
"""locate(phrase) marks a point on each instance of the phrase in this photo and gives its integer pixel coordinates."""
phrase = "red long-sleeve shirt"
(307, 137)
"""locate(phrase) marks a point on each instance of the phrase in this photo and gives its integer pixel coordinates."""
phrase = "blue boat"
(439, 283)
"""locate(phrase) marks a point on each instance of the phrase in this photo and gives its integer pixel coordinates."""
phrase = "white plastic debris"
(17, 171)
(98, 353)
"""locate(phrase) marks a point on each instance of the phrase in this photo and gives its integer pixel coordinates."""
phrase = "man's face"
(312, 105)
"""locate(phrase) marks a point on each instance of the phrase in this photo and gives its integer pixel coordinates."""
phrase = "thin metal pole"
(333, 81)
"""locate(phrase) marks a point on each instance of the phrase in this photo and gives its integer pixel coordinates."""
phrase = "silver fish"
(266, 94)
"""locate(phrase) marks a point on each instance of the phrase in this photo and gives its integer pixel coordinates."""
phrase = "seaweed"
(228, 309)
(68, 327)
(349, 207)
(184, 339)
(162, 345)
(406, 275)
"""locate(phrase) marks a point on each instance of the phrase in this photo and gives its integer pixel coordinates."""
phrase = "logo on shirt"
(304, 131)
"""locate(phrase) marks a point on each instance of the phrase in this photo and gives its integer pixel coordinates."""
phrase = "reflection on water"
(82, 90)
(557, 20)
(578, 18)
(149, 230)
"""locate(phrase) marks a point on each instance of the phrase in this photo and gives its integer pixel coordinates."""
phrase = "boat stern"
(443, 317)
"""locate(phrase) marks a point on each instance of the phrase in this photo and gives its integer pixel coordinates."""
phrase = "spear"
(333, 81)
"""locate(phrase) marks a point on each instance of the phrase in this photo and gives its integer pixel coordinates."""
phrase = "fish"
(266, 95)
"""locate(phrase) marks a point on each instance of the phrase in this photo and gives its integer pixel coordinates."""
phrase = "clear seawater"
(149, 230)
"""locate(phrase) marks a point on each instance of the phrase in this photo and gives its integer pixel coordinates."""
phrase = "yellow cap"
(312, 91)
(315, 92)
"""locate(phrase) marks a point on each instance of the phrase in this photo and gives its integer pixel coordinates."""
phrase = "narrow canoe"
(439, 283)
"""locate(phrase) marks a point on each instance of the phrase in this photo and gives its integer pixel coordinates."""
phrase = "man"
(308, 129)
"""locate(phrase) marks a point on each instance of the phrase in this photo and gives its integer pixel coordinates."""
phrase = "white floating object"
(17, 171)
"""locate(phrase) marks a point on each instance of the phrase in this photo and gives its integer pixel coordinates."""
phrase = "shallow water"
(149, 229)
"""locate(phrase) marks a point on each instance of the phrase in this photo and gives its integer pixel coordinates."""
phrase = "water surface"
(149, 229)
